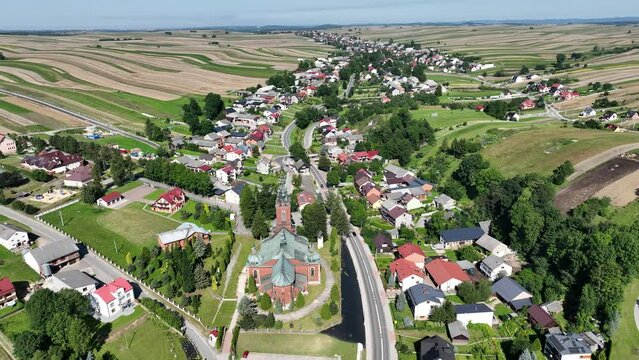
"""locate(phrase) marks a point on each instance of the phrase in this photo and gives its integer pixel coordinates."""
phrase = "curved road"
(84, 118)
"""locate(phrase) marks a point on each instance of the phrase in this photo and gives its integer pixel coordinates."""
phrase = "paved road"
(105, 272)
(308, 135)
(286, 135)
(347, 91)
(239, 228)
(592, 162)
(84, 118)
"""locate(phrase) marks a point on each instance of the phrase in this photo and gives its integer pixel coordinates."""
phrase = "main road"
(106, 272)
(82, 117)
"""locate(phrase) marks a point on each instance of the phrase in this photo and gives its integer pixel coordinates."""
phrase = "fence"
(37, 216)
(291, 331)
(131, 276)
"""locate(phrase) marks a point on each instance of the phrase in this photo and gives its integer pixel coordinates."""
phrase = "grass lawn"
(628, 214)
(128, 186)
(542, 150)
(113, 233)
(258, 178)
(6, 220)
(501, 310)
(155, 194)
(380, 223)
(225, 314)
(190, 208)
(247, 244)
(208, 308)
(441, 118)
(317, 345)
(149, 340)
(14, 324)
(15, 268)
(625, 340)
(125, 143)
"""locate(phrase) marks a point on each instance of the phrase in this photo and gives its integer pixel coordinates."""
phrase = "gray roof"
(489, 243)
(7, 230)
(435, 348)
(399, 172)
(569, 344)
(283, 272)
(421, 293)
(53, 251)
(184, 231)
(75, 279)
(493, 262)
(443, 199)
(465, 264)
(472, 309)
(456, 329)
(508, 289)
(463, 234)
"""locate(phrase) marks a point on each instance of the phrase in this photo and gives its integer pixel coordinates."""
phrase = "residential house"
(8, 296)
(395, 214)
(422, 299)
(588, 112)
(434, 348)
(495, 267)
(474, 313)
(183, 234)
(305, 198)
(446, 275)
(540, 318)
(111, 299)
(480, 108)
(567, 347)
(12, 237)
(71, 279)
(226, 174)
(410, 202)
(78, 177)
(456, 238)
(412, 253)
(609, 116)
(7, 145)
(445, 202)
(512, 116)
(630, 115)
(527, 104)
(568, 95)
(406, 273)
(48, 259)
(301, 167)
(492, 245)
(458, 333)
(383, 244)
(264, 166)
(53, 162)
(170, 201)
(232, 196)
(509, 291)
(110, 199)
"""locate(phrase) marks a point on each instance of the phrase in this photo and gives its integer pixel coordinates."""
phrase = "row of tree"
(174, 174)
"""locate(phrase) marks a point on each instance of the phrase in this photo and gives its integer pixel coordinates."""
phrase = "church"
(285, 264)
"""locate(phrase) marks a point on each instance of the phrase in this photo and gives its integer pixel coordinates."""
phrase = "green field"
(13, 108)
(126, 143)
(155, 194)
(126, 187)
(317, 345)
(14, 324)
(113, 233)
(542, 150)
(625, 340)
(438, 117)
(15, 268)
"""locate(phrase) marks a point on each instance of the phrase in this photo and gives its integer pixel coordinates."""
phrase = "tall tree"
(314, 220)
(248, 205)
(259, 228)
(213, 106)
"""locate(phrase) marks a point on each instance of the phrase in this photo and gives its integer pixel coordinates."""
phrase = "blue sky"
(147, 14)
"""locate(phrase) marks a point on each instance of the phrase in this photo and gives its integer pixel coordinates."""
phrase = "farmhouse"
(435, 348)
(12, 237)
(406, 273)
(422, 299)
(412, 253)
(78, 177)
(512, 293)
(609, 116)
(495, 267)
(456, 238)
(71, 279)
(7, 145)
(588, 112)
(566, 347)
(181, 235)
(474, 313)
(232, 196)
(111, 299)
(446, 275)
(527, 104)
(512, 116)
(395, 214)
(284, 266)
(170, 201)
(110, 199)
(53, 162)
(48, 259)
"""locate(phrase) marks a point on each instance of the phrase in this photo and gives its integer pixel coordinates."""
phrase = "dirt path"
(586, 165)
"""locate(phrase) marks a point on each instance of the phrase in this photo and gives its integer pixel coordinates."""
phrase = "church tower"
(283, 208)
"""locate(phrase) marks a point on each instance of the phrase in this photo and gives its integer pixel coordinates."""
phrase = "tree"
(314, 220)
(26, 343)
(92, 192)
(444, 313)
(213, 106)
(562, 172)
(199, 248)
(518, 346)
(80, 336)
(40, 175)
(252, 287)
(202, 277)
(524, 70)
(339, 219)
(269, 322)
(324, 163)
(333, 307)
(39, 309)
(333, 177)
(247, 307)
(2, 57)
(439, 91)
(265, 302)
(527, 355)
(325, 312)
(300, 301)
(248, 205)
(259, 228)
(561, 58)
(299, 153)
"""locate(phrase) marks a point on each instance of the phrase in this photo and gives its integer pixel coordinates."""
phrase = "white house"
(114, 297)
(474, 313)
(587, 112)
(226, 174)
(567, 347)
(232, 196)
(406, 273)
(495, 267)
(422, 299)
(12, 236)
(71, 279)
(264, 166)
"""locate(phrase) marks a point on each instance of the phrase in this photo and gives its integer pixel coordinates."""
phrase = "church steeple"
(283, 208)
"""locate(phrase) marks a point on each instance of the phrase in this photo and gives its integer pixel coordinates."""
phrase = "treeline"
(283, 80)
(498, 109)
(172, 318)
(156, 133)
(400, 136)
(212, 110)
(257, 207)
(164, 171)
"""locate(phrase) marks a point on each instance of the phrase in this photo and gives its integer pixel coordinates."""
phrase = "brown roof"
(396, 212)
(540, 317)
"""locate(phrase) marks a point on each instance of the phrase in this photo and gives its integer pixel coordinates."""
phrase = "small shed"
(458, 333)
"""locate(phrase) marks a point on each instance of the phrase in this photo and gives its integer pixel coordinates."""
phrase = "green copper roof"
(283, 272)
(286, 244)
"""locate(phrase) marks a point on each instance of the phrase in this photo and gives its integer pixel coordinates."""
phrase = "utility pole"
(61, 219)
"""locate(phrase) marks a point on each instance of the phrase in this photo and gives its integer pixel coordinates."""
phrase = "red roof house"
(446, 275)
(7, 291)
(412, 253)
(170, 201)
(110, 199)
(527, 104)
(113, 297)
(406, 273)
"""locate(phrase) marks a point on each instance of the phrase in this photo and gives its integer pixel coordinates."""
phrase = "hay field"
(116, 81)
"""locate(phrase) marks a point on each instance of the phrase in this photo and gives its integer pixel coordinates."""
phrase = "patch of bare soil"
(623, 191)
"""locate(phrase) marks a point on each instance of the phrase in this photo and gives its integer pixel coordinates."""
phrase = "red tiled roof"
(171, 196)
(6, 287)
(443, 271)
(111, 196)
(408, 249)
(106, 292)
(404, 268)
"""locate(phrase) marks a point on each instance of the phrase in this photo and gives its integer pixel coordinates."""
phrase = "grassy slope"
(544, 149)
(13, 108)
(318, 345)
(625, 341)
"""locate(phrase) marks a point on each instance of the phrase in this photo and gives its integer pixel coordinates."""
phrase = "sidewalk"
(228, 335)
